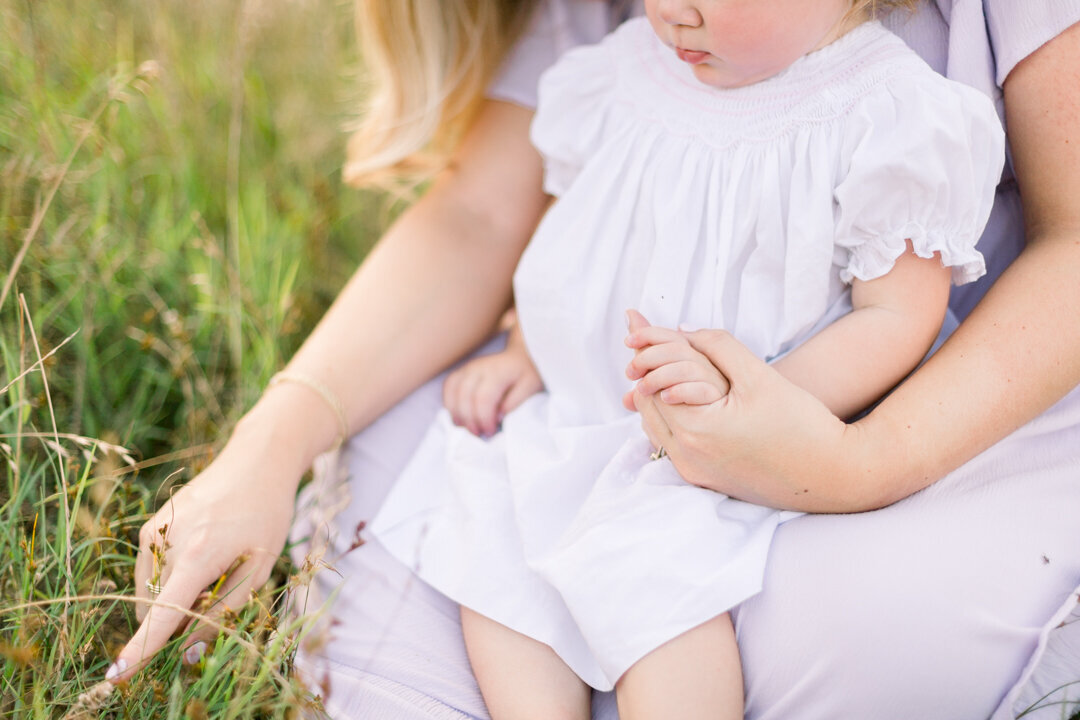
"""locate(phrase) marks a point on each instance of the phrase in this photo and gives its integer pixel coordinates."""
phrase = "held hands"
(730, 422)
(480, 393)
(666, 365)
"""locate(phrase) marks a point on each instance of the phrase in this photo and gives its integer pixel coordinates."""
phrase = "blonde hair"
(877, 8)
(428, 63)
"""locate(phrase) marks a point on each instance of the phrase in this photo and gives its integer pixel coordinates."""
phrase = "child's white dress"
(746, 209)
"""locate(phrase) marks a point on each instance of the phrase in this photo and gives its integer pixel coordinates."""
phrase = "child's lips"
(691, 56)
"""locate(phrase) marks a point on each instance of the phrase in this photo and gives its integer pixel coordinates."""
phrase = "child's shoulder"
(884, 71)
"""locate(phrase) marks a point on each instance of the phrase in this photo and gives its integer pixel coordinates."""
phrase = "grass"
(171, 226)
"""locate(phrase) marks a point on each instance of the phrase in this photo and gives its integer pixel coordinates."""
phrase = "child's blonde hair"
(428, 63)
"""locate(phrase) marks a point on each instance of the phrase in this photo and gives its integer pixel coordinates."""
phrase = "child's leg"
(696, 675)
(521, 678)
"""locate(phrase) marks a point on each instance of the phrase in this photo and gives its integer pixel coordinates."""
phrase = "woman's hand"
(765, 440)
(231, 520)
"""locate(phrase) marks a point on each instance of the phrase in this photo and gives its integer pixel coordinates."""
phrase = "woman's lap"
(928, 608)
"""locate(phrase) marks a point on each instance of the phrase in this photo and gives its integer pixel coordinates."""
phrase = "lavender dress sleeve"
(1020, 27)
(555, 27)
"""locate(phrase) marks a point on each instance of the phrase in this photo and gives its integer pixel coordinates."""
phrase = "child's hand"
(665, 363)
(482, 391)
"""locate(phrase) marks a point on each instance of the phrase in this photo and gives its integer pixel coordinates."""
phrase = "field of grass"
(172, 223)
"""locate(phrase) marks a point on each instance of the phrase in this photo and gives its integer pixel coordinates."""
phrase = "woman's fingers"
(162, 619)
(231, 591)
(691, 393)
(729, 356)
(144, 567)
(244, 499)
(652, 421)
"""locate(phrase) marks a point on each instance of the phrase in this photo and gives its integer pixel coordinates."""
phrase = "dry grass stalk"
(89, 704)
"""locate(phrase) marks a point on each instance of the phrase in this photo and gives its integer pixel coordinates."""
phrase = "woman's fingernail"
(194, 653)
(115, 669)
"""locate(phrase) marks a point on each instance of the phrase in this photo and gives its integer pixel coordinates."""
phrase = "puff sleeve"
(573, 112)
(924, 156)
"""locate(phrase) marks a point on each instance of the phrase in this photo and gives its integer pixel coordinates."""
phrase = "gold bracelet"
(323, 392)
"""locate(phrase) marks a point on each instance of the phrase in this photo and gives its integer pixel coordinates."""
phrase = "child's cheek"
(752, 43)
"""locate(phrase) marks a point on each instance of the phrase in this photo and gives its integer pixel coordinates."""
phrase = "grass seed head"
(90, 703)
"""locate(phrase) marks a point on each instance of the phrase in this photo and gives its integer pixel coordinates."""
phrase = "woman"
(928, 608)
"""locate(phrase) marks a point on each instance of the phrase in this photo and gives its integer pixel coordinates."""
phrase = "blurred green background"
(171, 208)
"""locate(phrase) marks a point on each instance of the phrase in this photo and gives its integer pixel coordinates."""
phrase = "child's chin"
(723, 79)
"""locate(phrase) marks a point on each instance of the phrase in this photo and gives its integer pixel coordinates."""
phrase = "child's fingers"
(457, 394)
(651, 335)
(461, 403)
(653, 356)
(635, 320)
(523, 388)
(691, 393)
(450, 390)
(680, 371)
(486, 401)
(472, 406)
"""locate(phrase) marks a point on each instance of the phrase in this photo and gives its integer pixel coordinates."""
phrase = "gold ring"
(154, 588)
(660, 452)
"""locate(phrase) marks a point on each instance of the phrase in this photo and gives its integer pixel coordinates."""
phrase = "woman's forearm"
(430, 291)
(1013, 357)
(1019, 350)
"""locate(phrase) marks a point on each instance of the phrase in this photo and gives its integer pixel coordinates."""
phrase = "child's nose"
(679, 12)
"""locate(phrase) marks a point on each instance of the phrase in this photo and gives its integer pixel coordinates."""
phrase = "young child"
(783, 169)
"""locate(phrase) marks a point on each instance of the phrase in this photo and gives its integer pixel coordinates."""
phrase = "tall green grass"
(171, 225)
